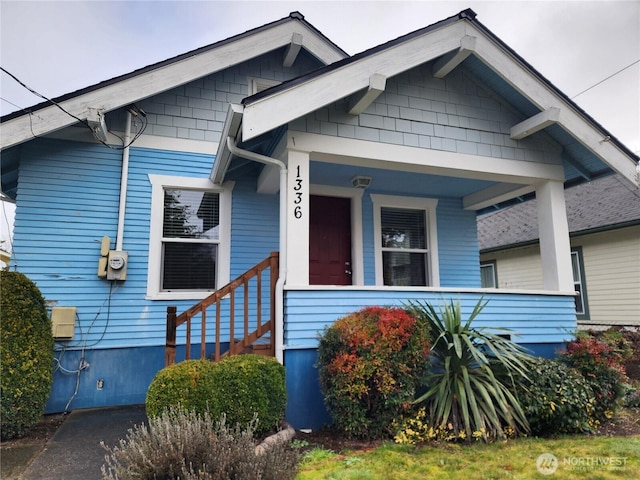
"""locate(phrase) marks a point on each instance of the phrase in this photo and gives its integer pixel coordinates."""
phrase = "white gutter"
(124, 178)
(279, 320)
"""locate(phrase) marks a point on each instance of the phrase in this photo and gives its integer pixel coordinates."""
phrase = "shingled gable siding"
(197, 110)
(453, 114)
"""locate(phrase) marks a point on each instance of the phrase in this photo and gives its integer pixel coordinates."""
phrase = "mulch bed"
(625, 424)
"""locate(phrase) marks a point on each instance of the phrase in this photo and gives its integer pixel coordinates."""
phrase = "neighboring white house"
(604, 226)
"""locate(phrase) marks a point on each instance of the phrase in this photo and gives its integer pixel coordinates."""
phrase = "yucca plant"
(474, 374)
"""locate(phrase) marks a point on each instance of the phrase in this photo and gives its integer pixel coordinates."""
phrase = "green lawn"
(577, 458)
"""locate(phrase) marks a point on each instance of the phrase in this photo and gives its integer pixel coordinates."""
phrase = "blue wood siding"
(457, 245)
(533, 319)
(68, 194)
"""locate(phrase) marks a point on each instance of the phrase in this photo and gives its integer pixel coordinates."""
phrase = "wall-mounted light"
(361, 181)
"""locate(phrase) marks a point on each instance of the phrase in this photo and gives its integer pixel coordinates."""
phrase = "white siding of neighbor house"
(518, 267)
(612, 269)
(611, 264)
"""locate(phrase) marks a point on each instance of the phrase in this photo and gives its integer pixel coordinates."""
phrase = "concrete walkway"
(74, 452)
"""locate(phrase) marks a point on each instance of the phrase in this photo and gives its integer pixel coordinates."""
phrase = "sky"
(57, 47)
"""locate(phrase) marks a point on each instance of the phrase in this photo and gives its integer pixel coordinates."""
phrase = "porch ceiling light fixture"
(361, 181)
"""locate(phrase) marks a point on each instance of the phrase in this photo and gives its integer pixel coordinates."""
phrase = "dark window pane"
(189, 266)
(403, 228)
(488, 275)
(404, 269)
(191, 214)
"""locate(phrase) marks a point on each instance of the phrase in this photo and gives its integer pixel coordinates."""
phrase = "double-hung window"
(488, 274)
(405, 241)
(190, 235)
(579, 284)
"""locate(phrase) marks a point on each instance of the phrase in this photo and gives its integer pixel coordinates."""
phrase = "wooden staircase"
(255, 334)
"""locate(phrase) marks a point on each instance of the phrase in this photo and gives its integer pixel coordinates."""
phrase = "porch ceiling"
(395, 182)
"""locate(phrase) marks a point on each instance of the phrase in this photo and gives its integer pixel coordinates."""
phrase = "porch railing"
(251, 285)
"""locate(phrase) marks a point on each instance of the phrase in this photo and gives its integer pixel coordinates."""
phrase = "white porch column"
(298, 218)
(555, 248)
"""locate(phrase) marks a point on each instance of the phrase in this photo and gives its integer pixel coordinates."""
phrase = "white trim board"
(157, 80)
(419, 160)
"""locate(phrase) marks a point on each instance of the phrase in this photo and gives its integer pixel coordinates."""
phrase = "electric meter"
(117, 265)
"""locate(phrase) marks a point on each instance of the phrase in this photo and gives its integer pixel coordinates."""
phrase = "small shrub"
(557, 399)
(631, 398)
(602, 365)
(419, 429)
(26, 354)
(184, 445)
(240, 387)
(370, 364)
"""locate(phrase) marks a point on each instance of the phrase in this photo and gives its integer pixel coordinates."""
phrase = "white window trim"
(259, 84)
(154, 272)
(393, 201)
(494, 268)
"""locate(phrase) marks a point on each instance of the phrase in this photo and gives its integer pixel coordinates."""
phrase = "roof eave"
(231, 129)
(129, 88)
(275, 107)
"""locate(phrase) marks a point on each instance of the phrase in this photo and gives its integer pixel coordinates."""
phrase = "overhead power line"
(604, 80)
(82, 121)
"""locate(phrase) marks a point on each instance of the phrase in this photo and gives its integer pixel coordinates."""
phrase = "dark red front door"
(330, 241)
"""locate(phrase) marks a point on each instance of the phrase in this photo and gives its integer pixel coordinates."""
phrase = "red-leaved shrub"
(370, 364)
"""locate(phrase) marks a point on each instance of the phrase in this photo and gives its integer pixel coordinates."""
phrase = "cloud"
(59, 47)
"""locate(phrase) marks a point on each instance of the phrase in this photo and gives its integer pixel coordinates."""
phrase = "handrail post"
(274, 271)
(170, 346)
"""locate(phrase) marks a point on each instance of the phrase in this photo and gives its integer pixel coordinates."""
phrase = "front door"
(330, 241)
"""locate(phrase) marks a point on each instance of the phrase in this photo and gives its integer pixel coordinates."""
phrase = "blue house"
(245, 195)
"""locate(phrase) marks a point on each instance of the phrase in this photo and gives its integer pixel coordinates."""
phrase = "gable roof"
(604, 204)
(123, 90)
(589, 150)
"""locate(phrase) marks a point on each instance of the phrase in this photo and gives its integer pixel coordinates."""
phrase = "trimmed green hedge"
(240, 387)
(26, 354)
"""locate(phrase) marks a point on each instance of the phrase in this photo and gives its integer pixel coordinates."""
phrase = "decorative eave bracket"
(535, 124)
(292, 50)
(95, 120)
(377, 84)
(452, 59)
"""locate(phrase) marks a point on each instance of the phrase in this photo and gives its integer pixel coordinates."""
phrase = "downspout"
(279, 320)
(124, 178)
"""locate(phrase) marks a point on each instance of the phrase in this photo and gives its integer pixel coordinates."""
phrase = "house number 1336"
(297, 190)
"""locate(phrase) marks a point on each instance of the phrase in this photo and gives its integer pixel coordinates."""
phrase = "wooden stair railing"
(236, 346)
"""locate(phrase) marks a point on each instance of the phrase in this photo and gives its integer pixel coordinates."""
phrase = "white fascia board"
(298, 100)
(158, 80)
(223, 155)
(500, 192)
(388, 156)
(543, 97)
